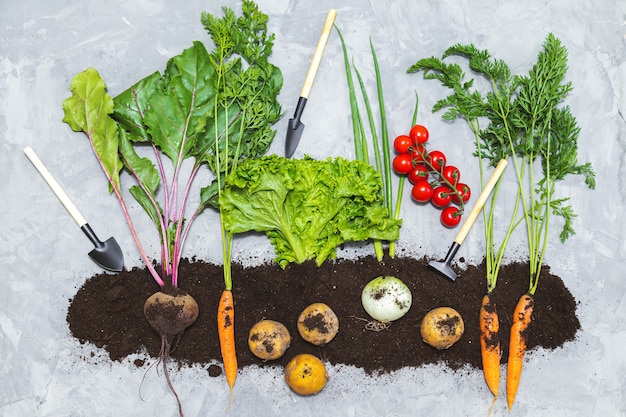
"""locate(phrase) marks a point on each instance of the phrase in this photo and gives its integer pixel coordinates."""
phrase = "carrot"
(490, 343)
(522, 317)
(226, 333)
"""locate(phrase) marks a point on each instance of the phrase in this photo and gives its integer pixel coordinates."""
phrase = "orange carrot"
(522, 317)
(490, 343)
(226, 333)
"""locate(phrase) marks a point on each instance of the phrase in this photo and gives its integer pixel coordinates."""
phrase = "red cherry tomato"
(437, 159)
(418, 152)
(442, 196)
(419, 134)
(402, 144)
(464, 191)
(451, 174)
(403, 163)
(450, 216)
(422, 191)
(419, 172)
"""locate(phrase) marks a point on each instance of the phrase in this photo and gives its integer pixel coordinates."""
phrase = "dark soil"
(107, 312)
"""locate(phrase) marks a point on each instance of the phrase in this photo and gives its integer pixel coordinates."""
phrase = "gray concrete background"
(44, 43)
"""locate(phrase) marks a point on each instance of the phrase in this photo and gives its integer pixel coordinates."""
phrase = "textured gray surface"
(43, 43)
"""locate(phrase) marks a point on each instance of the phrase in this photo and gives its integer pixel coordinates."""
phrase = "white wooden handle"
(54, 185)
(317, 56)
(482, 198)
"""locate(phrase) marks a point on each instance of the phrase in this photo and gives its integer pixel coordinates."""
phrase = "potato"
(268, 340)
(318, 324)
(442, 327)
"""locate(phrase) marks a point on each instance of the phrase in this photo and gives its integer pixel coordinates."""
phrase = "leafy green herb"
(214, 108)
(526, 122)
(306, 207)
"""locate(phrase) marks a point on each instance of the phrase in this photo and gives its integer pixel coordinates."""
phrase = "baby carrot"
(522, 317)
(226, 333)
(490, 343)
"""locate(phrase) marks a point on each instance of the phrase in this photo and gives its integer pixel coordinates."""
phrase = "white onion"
(386, 298)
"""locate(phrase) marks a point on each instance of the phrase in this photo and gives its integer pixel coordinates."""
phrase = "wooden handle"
(317, 56)
(54, 185)
(482, 198)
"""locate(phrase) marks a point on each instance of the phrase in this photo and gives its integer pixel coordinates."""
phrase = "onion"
(386, 298)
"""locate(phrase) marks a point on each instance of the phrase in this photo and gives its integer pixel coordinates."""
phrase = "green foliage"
(525, 120)
(87, 110)
(307, 207)
(246, 107)
(215, 107)
(380, 144)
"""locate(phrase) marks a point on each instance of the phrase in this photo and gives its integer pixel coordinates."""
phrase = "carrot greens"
(526, 122)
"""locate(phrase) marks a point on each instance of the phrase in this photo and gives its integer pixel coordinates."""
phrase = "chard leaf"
(142, 168)
(147, 204)
(87, 110)
(131, 105)
(148, 179)
(179, 106)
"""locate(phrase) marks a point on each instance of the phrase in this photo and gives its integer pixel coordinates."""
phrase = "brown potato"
(442, 327)
(318, 324)
(268, 340)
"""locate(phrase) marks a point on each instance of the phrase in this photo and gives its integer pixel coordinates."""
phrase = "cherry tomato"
(442, 196)
(451, 174)
(403, 163)
(402, 144)
(437, 159)
(464, 191)
(418, 152)
(419, 134)
(422, 191)
(450, 216)
(419, 172)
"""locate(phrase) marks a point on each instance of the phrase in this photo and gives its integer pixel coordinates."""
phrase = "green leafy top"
(526, 121)
(307, 207)
(216, 108)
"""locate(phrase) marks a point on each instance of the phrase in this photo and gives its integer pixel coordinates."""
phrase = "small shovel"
(107, 254)
(444, 267)
(295, 127)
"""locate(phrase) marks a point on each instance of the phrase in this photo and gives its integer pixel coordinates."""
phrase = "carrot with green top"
(529, 124)
(240, 128)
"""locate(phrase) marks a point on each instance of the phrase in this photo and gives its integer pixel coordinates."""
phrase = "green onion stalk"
(380, 144)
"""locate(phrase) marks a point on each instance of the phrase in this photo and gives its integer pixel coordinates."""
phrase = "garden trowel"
(107, 254)
(444, 267)
(295, 127)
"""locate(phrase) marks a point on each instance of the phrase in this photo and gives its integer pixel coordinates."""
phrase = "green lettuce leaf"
(306, 207)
